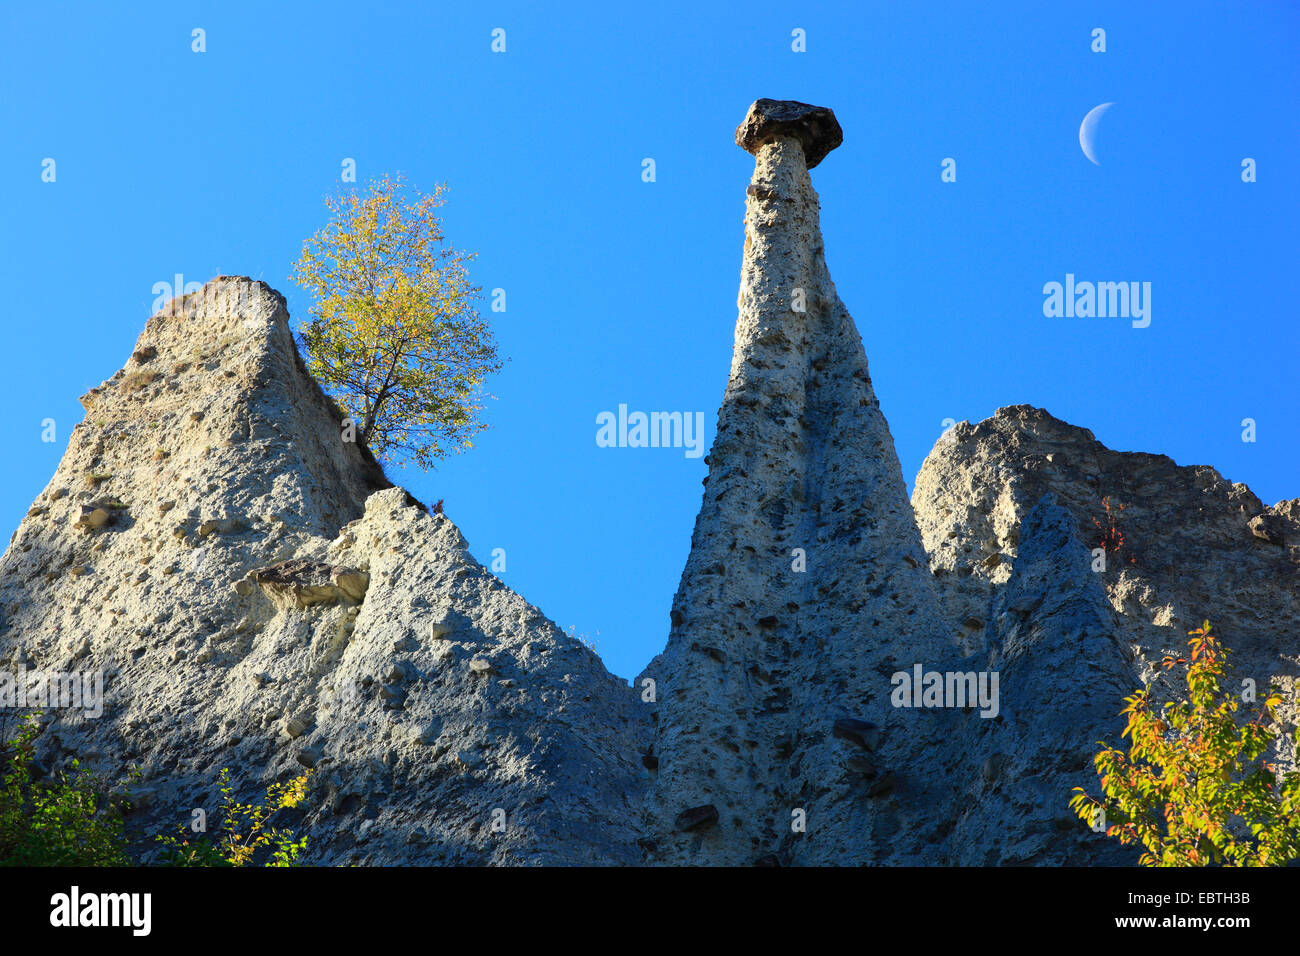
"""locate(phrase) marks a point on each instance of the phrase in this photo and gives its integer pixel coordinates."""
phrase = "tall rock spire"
(806, 586)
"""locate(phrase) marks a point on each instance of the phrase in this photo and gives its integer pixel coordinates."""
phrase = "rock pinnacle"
(806, 586)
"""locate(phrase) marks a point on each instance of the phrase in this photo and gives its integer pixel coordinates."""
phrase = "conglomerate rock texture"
(1080, 569)
(1061, 673)
(805, 589)
(258, 597)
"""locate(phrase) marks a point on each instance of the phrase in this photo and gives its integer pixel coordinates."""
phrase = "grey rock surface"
(259, 597)
(805, 588)
(1178, 545)
(1053, 639)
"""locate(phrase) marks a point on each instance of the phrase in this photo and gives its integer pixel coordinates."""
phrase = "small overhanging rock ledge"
(302, 583)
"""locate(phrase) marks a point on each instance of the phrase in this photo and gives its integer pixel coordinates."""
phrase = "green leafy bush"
(1194, 789)
(70, 820)
(244, 829)
(67, 820)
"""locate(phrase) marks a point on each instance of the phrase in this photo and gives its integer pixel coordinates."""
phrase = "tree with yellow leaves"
(1194, 788)
(244, 829)
(394, 336)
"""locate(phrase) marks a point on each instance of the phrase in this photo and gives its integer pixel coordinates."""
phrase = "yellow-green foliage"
(1194, 788)
(394, 336)
(244, 829)
(67, 820)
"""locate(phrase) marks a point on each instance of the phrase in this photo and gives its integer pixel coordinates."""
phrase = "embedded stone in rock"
(468, 759)
(992, 767)
(299, 584)
(697, 817)
(860, 732)
(815, 127)
(444, 623)
(1268, 528)
(861, 765)
(425, 734)
(884, 785)
(225, 525)
(93, 517)
(352, 583)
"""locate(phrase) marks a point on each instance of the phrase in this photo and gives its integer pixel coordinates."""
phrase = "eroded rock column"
(806, 586)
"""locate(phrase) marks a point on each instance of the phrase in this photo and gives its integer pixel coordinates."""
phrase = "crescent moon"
(1088, 131)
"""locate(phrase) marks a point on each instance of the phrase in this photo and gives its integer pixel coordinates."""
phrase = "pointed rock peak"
(815, 127)
(251, 593)
(216, 403)
(1172, 544)
(806, 585)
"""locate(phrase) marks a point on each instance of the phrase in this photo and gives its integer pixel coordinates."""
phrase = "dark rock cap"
(814, 126)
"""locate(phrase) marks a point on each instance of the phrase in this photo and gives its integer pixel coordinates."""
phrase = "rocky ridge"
(258, 596)
(1077, 569)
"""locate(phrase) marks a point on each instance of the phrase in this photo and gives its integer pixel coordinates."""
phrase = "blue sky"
(623, 291)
